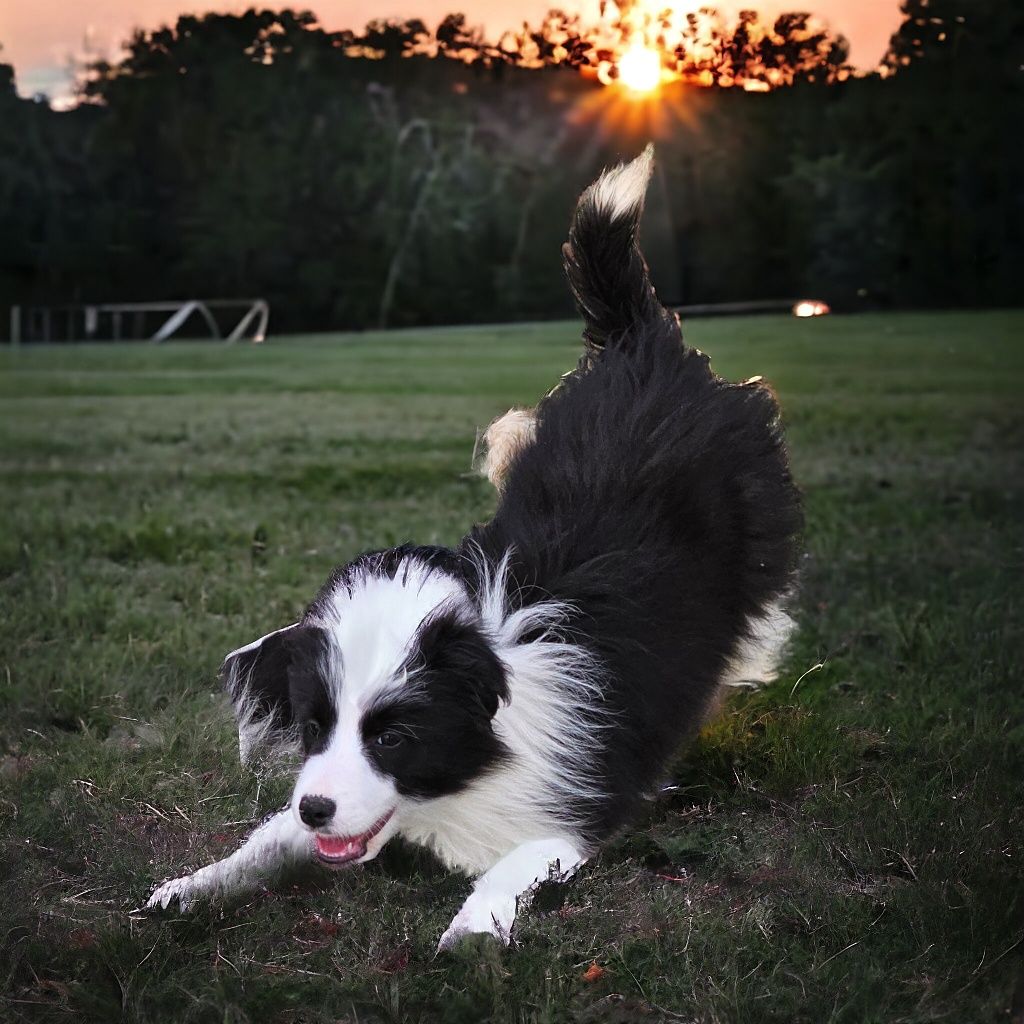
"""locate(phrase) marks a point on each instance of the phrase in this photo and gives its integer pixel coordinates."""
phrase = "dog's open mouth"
(337, 850)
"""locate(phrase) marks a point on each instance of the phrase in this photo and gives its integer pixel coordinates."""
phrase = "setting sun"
(640, 68)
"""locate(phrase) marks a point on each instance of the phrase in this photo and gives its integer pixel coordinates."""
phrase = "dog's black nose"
(316, 811)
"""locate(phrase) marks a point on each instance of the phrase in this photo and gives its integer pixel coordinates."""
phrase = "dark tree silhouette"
(391, 39)
(396, 175)
(981, 39)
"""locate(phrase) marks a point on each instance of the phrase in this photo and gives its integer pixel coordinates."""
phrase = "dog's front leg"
(491, 907)
(278, 839)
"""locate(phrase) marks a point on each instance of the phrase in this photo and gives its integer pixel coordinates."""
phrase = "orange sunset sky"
(40, 37)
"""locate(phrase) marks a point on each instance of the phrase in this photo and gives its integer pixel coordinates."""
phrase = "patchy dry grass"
(842, 846)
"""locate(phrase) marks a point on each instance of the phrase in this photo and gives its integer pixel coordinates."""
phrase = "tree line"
(401, 176)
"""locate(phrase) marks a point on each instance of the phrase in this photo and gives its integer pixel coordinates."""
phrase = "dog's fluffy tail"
(603, 262)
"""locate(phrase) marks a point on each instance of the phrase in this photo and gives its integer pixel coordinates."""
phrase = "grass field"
(844, 845)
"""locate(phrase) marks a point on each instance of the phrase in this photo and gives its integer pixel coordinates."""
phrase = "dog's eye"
(312, 730)
(388, 738)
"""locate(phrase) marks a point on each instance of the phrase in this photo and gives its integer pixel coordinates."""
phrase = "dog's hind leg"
(498, 893)
(277, 840)
(503, 440)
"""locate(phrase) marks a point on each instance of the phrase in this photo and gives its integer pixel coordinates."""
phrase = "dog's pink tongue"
(341, 847)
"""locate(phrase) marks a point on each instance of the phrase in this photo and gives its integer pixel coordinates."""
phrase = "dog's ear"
(456, 656)
(257, 679)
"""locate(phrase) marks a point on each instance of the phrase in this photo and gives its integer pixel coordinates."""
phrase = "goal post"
(135, 321)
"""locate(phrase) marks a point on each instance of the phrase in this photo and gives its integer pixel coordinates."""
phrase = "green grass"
(844, 845)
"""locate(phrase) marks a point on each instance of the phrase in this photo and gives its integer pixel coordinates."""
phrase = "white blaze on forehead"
(344, 774)
(373, 625)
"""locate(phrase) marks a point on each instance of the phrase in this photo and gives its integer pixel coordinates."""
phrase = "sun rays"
(640, 69)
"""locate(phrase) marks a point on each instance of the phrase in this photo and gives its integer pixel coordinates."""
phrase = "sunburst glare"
(640, 69)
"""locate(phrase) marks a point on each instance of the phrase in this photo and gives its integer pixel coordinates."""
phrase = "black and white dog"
(509, 703)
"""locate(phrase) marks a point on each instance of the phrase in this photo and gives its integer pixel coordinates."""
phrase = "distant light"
(811, 307)
(640, 68)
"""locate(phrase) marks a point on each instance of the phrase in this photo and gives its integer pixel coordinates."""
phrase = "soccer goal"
(226, 320)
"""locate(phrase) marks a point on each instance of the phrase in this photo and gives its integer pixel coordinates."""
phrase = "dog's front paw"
(483, 913)
(185, 892)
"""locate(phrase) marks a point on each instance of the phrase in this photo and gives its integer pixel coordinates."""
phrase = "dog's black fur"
(657, 501)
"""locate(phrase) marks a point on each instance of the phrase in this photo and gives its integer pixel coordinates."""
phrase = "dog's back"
(654, 498)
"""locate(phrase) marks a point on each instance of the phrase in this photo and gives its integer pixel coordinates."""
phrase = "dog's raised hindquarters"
(508, 703)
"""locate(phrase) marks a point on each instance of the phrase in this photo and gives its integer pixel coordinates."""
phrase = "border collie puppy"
(509, 703)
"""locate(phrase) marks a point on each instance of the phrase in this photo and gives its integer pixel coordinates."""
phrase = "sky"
(40, 38)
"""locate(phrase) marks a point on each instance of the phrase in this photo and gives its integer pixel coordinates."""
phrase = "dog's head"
(387, 686)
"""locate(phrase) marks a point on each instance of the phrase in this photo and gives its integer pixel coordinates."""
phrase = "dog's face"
(387, 685)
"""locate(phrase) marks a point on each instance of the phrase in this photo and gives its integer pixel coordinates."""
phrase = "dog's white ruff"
(550, 725)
